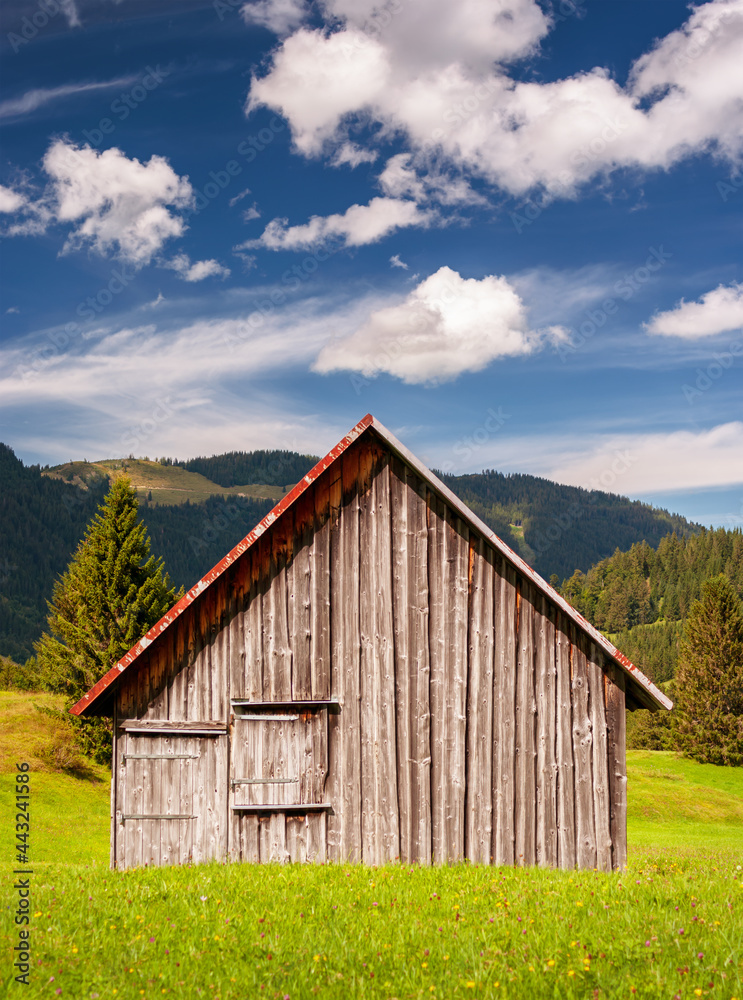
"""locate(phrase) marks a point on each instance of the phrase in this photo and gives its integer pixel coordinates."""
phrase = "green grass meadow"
(669, 926)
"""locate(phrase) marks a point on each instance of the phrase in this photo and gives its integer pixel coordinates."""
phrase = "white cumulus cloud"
(279, 16)
(117, 205)
(357, 226)
(198, 270)
(718, 311)
(10, 201)
(446, 326)
(439, 74)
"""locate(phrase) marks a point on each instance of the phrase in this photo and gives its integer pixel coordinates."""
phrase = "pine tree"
(709, 678)
(112, 592)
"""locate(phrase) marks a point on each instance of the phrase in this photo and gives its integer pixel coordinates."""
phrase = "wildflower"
(551, 962)
(571, 972)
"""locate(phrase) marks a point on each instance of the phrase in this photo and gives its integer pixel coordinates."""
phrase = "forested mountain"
(560, 528)
(642, 596)
(242, 468)
(555, 528)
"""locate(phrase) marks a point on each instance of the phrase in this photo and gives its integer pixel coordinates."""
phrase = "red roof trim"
(650, 692)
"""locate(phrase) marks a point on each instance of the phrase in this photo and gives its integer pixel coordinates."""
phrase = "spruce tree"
(709, 678)
(112, 592)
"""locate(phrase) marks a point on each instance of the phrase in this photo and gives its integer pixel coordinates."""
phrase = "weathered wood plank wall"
(475, 721)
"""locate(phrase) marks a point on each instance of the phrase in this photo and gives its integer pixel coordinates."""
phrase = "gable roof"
(643, 690)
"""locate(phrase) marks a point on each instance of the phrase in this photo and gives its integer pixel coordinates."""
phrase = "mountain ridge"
(193, 522)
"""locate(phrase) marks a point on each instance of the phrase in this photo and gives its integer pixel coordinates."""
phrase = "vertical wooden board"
(318, 733)
(479, 796)
(220, 658)
(135, 778)
(317, 837)
(122, 798)
(601, 797)
(380, 819)
(296, 839)
(277, 670)
(253, 625)
(439, 679)
(171, 799)
(158, 698)
(420, 711)
(188, 804)
(124, 696)
(298, 593)
(615, 683)
(525, 760)
(448, 555)
(178, 695)
(402, 613)
(457, 546)
(199, 803)
(564, 748)
(344, 777)
(320, 583)
(250, 839)
(273, 839)
(504, 725)
(217, 798)
(114, 787)
(236, 641)
(585, 828)
(544, 635)
(412, 668)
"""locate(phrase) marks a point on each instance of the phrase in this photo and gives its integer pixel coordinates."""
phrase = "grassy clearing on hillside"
(169, 484)
(669, 926)
(679, 803)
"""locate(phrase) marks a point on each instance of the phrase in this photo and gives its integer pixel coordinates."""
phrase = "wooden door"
(171, 801)
(279, 758)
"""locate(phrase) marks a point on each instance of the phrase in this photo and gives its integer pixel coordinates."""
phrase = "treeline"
(245, 468)
(564, 527)
(643, 596)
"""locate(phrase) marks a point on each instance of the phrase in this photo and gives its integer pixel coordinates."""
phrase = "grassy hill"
(159, 484)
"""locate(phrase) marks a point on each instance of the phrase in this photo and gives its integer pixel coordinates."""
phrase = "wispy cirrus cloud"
(17, 107)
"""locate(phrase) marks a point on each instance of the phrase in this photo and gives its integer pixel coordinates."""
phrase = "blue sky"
(509, 229)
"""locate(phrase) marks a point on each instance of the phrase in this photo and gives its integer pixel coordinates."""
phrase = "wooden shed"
(371, 674)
